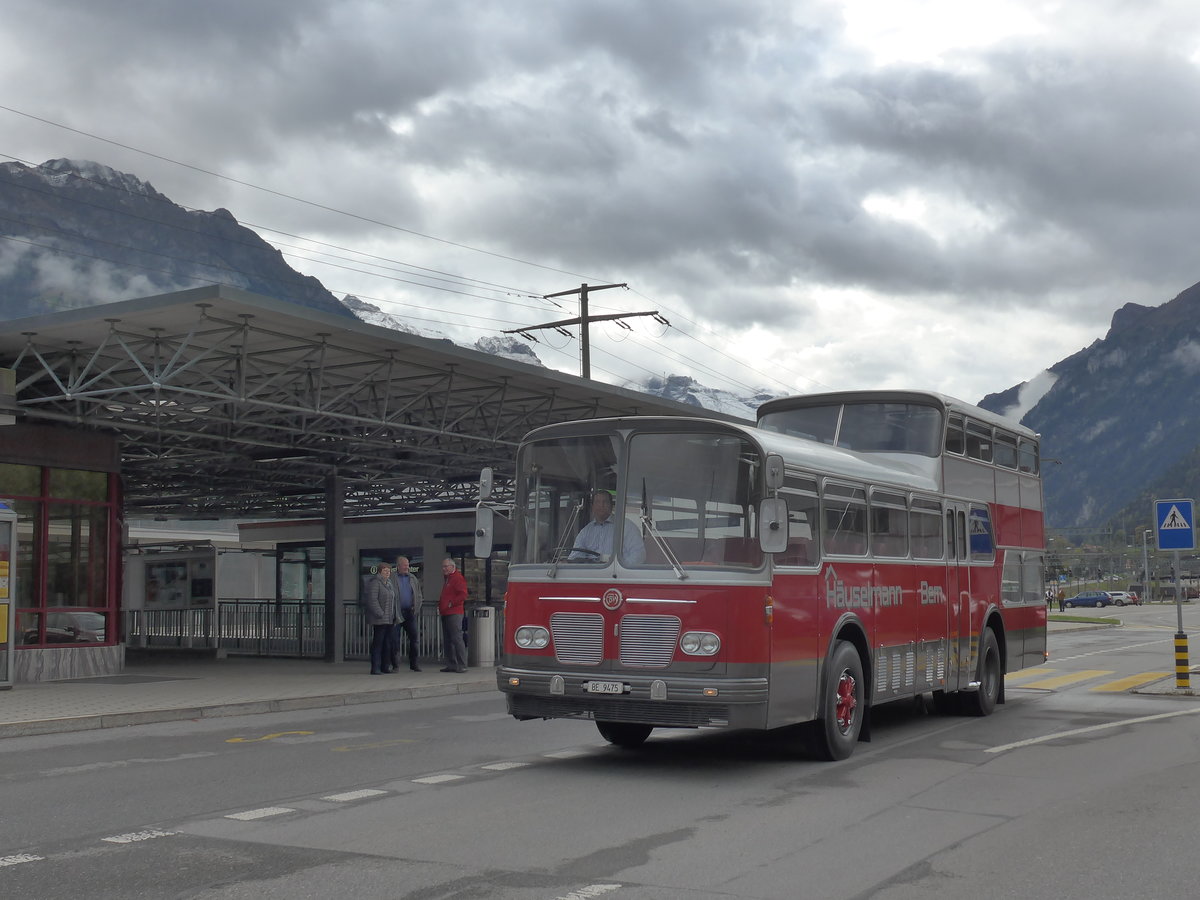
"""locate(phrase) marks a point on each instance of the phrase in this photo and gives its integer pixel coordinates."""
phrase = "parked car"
(1090, 598)
(1125, 598)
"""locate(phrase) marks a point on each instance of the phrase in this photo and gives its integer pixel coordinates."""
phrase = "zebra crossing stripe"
(1069, 678)
(251, 814)
(1027, 674)
(1128, 684)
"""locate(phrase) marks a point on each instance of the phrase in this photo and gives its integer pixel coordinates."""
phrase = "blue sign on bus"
(1175, 524)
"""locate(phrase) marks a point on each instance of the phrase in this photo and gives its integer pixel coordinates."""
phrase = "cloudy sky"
(816, 194)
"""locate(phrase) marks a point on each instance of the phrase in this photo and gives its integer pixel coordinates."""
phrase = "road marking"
(263, 813)
(1026, 674)
(1069, 678)
(1128, 684)
(1121, 649)
(265, 737)
(121, 763)
(354, 795)
(374, 745)
(592, 890)
(567, 754)
(502, 766)
(437, 779)
(135, 836)
(19, 858)
(1089, 730)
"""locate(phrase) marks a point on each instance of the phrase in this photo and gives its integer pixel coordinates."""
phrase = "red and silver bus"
(851, 549)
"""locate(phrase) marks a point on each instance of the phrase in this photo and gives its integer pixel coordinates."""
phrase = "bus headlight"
(532, 637)
(700, 643)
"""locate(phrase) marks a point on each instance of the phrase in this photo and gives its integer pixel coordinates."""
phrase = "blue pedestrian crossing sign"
(1175, 524)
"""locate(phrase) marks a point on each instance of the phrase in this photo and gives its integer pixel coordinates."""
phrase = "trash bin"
(482, 649)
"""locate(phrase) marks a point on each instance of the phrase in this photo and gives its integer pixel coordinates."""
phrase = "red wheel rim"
(845, 702)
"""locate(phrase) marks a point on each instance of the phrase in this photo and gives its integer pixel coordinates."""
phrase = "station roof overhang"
(228, 404)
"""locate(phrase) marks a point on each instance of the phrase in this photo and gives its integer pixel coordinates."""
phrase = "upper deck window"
(1027, 456)
(865, 427)
(1006, 449)
(979, 441)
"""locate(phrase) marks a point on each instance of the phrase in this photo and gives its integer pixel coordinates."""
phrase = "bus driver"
(595, 540)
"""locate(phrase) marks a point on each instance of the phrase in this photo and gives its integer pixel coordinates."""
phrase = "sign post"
(8, 593)
(1175, 530)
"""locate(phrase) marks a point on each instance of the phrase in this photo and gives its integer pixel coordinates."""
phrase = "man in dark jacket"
(451, 606)
(408, 611)
(380, 611)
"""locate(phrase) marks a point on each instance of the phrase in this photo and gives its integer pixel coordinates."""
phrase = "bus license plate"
(604, 687)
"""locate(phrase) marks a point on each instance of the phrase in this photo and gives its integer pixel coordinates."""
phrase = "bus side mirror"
(772, 525)
(485, 484)
(484, 520)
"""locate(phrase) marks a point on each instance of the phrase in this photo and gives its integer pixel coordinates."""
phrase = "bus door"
(958, 598)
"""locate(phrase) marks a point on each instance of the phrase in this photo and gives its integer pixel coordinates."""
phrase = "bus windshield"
(686, 499)
(866, 427)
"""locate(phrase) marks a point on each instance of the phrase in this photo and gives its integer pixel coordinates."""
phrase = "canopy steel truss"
(230, 404)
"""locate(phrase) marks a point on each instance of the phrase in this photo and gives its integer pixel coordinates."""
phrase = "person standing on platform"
(408, 611)
(451, 607)
(380, 610)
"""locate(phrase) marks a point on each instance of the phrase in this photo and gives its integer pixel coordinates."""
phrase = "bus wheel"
(624, 734)
(983, 701)
(837, 731)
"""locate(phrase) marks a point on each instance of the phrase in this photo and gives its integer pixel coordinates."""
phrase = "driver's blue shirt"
(598, 537)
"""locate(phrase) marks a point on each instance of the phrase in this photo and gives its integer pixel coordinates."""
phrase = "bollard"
(1182, 675)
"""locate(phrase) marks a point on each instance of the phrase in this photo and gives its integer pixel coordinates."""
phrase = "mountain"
(78, 233)
(684, 389)
(1120, 419)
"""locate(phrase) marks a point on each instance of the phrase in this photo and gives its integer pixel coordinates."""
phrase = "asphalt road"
(1072, 789)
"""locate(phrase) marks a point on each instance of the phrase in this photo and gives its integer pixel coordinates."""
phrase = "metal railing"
(284, 628)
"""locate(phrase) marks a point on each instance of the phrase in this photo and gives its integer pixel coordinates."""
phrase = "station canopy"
(228, 404)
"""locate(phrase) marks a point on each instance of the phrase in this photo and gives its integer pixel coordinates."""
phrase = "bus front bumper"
(663, 700)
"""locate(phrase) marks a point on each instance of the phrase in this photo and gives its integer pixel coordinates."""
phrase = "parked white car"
(1124, 598)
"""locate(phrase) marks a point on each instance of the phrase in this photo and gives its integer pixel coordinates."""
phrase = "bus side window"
(844, 516)
(925, 525)
(1006, 449)
(802, 530)
(955, 442)
(889, 525)
(979, 441)
(1027, 453)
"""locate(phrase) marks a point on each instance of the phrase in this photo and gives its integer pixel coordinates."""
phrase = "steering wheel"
(591, 555)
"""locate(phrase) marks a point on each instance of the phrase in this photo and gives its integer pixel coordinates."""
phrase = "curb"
(221, 710)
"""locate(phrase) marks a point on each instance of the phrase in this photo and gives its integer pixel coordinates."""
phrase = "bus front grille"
(578, 638)
(649, 641)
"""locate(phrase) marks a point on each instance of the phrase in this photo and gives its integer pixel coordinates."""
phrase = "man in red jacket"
(451, 605)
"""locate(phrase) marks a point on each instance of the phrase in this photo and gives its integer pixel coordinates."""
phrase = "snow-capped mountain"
(685, 389)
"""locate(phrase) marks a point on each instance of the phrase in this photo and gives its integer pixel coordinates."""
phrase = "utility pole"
(583, 320)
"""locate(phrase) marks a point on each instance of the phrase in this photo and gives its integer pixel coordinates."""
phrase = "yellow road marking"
(1126, 684)
(265, 737)
(1069, 678)
(1026, 674)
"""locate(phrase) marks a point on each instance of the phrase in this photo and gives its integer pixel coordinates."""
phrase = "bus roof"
(905, 470)
(927, 398)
